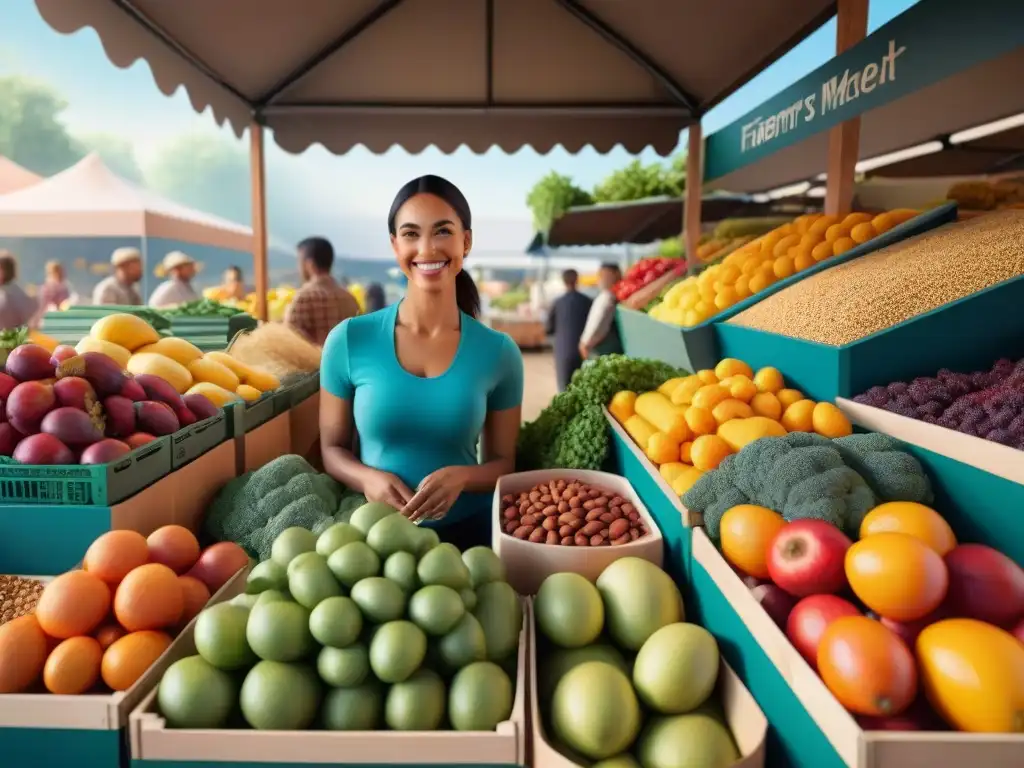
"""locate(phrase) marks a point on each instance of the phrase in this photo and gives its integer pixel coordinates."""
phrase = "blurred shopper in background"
(566, 321)
(17, 308)
(177, 289)
(375, 298)
(120, 288)
(601, 334)
(321, 303)
(55, 289)
(234, 284)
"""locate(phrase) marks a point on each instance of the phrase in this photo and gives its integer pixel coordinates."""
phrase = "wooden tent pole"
(844, 139)
(257, 169)
(692, 195)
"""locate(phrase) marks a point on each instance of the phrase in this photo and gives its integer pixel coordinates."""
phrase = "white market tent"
(90, 200)
(13, 177)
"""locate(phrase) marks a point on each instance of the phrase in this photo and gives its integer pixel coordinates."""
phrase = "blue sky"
(105, 99)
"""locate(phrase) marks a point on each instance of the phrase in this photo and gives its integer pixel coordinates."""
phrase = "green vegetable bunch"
(805, 476)
(202, 308)
(9, 339)
(254, 508)
(572, 433)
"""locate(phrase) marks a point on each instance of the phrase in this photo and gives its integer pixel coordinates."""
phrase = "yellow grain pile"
(853, 300)
(277, 349)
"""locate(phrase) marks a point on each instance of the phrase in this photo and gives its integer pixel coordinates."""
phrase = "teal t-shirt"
(409, 425)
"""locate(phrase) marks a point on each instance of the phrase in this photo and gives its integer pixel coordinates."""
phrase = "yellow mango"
(738, 432)
(640, 430)
(179, 350)
(662, 448)
(622, 406)
(247, 393)
(125, 330)
(262, 380)
(685, 480)
(117, 353)
(173, 373)
(213, 372)
(216, 395)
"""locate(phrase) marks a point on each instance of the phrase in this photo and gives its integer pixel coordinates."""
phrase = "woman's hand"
(436, 494)
(387, 488)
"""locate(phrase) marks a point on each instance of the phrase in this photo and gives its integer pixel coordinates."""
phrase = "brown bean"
(552, 538)
(581, 540)
(634, 534)
(567, 518)
(594, 493)
(537, 508)
(511, 513)
(617, 501)
(607, 518)
(597, 541)
(550, 523)
(628, 508)
(568, 541)
(523, 531)
(604, 533)
(634, 516)
(576, 523)
(600, 510)
(615, 512)
(618, 528)
(546, 499)
(549, 510)
(566, 530)
(534, 496)
(592, 528)
(563, 507)
(528, 520)
(589, 504)
(575, 502)
(507, 499)
(538, 535)
(593, 514)
(601, 501)
(621, 540)
(568, 493)
(524, 508)
(511, 526)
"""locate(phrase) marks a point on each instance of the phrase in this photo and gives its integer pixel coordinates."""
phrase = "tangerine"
(114, 554)
(174, 546)
(73, 667)
(73, 604)
(128, 659)
(150, 597)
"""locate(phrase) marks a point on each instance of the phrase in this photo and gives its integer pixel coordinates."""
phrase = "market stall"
(13, 177)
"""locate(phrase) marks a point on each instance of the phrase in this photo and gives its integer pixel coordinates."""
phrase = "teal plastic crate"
(86, 485)
(700, 346)
(666, 514)
(48, 540)
(967, 334)
(63, 748)
(191, 442)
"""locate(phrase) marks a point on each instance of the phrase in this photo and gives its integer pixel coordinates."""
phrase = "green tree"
(551, 197)
(32, 132)
(638, 181)
(206, 172)
(118, 153)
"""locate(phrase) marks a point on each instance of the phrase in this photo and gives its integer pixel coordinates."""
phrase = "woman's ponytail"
(466, 294)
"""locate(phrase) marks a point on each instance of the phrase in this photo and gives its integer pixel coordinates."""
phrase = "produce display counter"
(702, 345)
(154, 745)
(674, 520)
(304, 415)
(529, 564)
(264, 443)
(809, 724)
(44, 730)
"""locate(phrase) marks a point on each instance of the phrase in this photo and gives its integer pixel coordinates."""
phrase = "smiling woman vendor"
(422, 382)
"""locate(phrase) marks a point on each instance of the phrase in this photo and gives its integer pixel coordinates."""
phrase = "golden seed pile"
(18, 597)
(874, 292)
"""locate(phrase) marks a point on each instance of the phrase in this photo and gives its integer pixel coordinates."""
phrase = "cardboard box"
(529, 563)
(856, 748)
(745, 719)
(304, 419)
(265, 443)
(152, 741)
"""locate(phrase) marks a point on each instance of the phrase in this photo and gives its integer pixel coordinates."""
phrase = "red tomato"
(806, 557)
(809, 619)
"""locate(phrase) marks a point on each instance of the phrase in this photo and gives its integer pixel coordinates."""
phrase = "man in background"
(234, 284)
(120, 287)
(55, 290)
(17, 308)
(566, 321)
(601, 334)
(321, 303)
(177, 289)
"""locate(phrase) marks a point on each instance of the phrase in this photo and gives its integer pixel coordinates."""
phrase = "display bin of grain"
(674, 520)
(44, 730)
(811, 727)
(700, 346)
(154, 744)
(596, 519)
(745, 719)
(948, 298)
(18, 596)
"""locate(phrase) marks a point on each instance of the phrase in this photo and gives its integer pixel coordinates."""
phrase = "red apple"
(777, 602)
(806, 557)
(985, 584)
(809, 619)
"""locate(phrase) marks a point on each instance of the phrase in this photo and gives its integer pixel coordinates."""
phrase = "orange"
(746, 531)
(842, 245)
(128, 659)
(909, 517)
(707, 376)
(22, 653)
(798, 417)
(862, 232)
(708, 451)
(829, 421)
(710, 395)
(113, 554)
(803, 261)
(973, 675)
(72, 604)
(789, 396)
(742, 388)
(150, 597)
(822, 251)
(700, 420)
(769, 379)
(174, 546)
(896, 575)
(730, 409)
(766, 404)
(783, 267)
(730, 366)
(73, 667)
(867, 667)
(108, 634)
(662, 448)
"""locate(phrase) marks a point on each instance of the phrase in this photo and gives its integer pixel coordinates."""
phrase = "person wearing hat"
(120, 288)
(177, 289)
